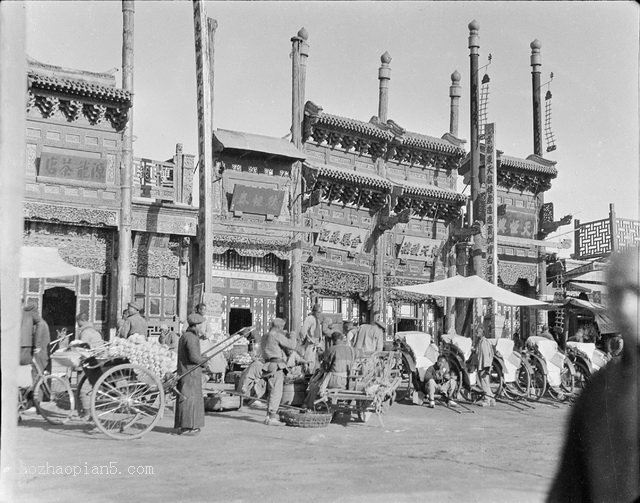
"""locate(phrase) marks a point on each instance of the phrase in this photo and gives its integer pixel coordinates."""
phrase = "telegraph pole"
(299, 54)
(126, 166)
(13, 96)
(204, 29)
(536, 67)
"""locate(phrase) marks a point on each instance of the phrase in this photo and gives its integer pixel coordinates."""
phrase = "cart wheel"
(583, 374)
(567, 383)
(127, 401)
(519, 389)
(53, 399)
(538, 381)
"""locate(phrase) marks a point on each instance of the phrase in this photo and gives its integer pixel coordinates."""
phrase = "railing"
(153, 179)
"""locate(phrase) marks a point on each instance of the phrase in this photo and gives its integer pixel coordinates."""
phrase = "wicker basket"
(306, 419)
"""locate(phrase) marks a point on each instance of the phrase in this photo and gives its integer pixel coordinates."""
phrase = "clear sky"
(591, 48)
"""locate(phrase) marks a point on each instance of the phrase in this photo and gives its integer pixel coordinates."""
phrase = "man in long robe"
(484, 350)
(312, 343)
(189, 416)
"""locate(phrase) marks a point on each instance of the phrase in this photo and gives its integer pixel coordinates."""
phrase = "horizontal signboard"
(257, 200)
(422, 249)
(517, 224)
(341, 237)
(71, 167)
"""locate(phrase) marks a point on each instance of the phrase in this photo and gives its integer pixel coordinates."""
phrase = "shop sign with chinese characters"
(341, 237)
(257, 200)
(422, 249)
(71, 167)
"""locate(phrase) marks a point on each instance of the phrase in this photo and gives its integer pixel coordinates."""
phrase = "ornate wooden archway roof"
(533, 174)
(381, 140)
(79, 88)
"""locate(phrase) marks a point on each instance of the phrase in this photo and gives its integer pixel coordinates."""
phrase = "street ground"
(495, 454)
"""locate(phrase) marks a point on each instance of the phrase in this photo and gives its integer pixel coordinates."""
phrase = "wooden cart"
(371, 387)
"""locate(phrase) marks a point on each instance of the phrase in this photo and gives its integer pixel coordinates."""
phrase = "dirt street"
(492, 455)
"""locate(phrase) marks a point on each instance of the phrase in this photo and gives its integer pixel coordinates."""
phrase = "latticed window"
(231, 260)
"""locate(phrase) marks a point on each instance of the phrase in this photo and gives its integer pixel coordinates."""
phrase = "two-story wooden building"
(72, 201)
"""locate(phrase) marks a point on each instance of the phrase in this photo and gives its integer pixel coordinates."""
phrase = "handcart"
(371, 387)
(128, 394)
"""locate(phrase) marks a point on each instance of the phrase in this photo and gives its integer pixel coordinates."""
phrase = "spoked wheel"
(519, 389)
(127, 401)
(567, 382)
(582, 375)
(539, 380)
(496, 379)
(53, 399)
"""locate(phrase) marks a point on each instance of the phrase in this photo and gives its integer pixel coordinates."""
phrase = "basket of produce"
(305, 418)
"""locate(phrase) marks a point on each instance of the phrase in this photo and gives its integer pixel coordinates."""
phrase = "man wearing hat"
(189, 416)
(135, 323)
(369, 338)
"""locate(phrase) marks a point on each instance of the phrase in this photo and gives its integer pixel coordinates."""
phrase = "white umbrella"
(42, 262)
(471, 287)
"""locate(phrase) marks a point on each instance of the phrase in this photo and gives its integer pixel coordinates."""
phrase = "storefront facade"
(72, 200)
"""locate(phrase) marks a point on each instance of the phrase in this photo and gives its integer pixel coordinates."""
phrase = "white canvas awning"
(471, 287)
(41, 262)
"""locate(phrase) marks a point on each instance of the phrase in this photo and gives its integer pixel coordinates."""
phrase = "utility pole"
(13, 96)
(379, 307)
(299, 54)
(204, 29)
(126, 166)
(536, 67)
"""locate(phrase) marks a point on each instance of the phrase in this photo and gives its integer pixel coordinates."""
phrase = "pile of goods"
(152, 355)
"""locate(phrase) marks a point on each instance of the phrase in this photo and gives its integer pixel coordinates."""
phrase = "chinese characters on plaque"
(422, 249)
(71, 167)
(341, 237)
(257, 200)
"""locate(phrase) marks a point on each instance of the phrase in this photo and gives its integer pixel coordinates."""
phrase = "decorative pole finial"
(384, 76)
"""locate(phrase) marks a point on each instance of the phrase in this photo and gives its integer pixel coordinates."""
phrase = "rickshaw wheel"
(582, 375)
(496, 377)
(127, 401)
(567, 383)
(538, 381)
(520, 387)
(53, 399)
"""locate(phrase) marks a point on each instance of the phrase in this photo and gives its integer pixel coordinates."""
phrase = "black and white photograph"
(321, 251)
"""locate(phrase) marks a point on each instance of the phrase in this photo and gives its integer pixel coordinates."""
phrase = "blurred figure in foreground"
(600, 460)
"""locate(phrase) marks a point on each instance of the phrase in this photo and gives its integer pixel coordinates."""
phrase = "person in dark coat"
(601, 457)
(189, 416)
(41, 338)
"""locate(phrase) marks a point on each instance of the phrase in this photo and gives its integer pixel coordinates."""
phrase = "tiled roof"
(78, 88)
(350, 176)
(429, 142)
(257, 143)
(532, 163)
(386, 132)
(357, 126)
(431, 191)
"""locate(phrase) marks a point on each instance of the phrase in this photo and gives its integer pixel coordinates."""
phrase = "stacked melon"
(152, 355)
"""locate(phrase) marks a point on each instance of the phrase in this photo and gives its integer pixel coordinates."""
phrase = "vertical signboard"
(491, 216)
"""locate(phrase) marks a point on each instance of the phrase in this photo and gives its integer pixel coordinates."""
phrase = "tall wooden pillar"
(126, 166)
(204, 29)
(13, 96)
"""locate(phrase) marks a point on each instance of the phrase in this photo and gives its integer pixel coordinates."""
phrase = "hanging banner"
(341, 237)
(422, 249)
(257, 200)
